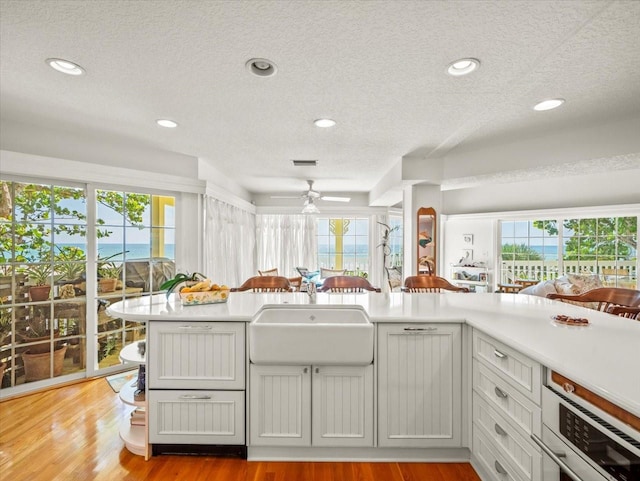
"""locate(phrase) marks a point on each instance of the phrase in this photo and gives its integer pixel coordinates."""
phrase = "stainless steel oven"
(578, 445)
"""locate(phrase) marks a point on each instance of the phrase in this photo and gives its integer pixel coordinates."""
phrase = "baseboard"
(434, 455)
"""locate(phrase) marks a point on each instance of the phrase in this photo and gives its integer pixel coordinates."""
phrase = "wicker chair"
(347, 284)
(602, 298)
(265, 284)
(430, 284)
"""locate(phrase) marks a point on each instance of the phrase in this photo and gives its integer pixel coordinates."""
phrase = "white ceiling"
(376, 67)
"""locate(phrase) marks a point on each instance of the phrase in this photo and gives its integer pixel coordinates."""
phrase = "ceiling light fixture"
(65, 66)
(324, 123)
(463, 66)
(261, 67)
(169, 124)
(548, 104)
(310, 207)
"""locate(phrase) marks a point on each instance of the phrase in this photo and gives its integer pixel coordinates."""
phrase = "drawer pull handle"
(555, 457)
(499, 468)
(199, 328)
(500, 393)
(420, 329)
(498, 354)
(317, 370)
(499, 430)
(305, 370)
(194, 396)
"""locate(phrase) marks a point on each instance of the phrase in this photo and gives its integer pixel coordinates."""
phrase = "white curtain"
(229, 243)
(286, 242)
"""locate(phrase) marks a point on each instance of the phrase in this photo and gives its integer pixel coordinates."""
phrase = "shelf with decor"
(475, 277)
(133, 428)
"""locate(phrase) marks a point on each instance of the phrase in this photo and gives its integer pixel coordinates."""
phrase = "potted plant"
(70, 266)
(37, 357)
(109, 273)
(39, 277)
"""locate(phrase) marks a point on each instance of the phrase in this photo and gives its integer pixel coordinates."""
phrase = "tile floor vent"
(305, 163)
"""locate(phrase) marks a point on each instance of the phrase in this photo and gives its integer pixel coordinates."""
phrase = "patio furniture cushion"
(270, 272)
(324, 273)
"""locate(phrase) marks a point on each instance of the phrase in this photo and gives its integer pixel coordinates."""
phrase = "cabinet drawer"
(506, 400)
(519, 451)
(492, 460)
(522, 372)
(196, 417)
(196, 355)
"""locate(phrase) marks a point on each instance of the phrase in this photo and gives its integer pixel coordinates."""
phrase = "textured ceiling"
(376, 67)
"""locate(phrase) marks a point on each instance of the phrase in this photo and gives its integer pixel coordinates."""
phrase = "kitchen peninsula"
(485, 343)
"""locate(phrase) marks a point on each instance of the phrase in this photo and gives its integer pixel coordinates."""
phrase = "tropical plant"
(180, 278)
(519, 252)
(607, 237)
(108, 269)
(38, 274)
(70, 263)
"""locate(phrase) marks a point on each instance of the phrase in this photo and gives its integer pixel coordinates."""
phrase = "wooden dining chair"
(265, 284)
(629, 312)
(347, 284)
(602, 298)
(430, 284)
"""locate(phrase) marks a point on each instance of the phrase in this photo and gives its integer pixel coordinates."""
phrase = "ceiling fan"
(310, 196)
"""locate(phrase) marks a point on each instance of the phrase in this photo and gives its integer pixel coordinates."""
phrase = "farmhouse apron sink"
(299, 334)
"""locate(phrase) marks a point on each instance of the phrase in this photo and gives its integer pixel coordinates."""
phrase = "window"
(395, 256)
(135, 255)
(545, 249)
(47, 313)
(42, 276)
(343, 243)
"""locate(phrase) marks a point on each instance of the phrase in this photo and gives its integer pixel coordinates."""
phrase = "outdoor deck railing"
(616, 274)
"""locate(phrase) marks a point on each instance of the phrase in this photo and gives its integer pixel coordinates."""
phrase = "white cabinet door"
(196, 417)
(280, 405)
(195, 355)
(342, 407)
(419, 385)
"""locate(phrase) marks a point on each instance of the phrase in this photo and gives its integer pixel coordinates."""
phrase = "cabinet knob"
(500, 393)
(317, 370)
(568, 387)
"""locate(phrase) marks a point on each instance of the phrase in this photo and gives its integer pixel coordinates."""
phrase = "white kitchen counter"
(603, 356)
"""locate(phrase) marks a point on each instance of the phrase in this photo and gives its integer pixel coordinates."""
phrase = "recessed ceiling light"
(548, 104)
(324, 123)
(170, 124)
(261, 67)
(463, 66)
(65, 66)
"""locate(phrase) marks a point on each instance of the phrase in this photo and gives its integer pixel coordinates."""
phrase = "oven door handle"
(556, 458)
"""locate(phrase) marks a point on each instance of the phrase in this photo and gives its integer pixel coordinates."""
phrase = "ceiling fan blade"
(284, 197)
(336, 199)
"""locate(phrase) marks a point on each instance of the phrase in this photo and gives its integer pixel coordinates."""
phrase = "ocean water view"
(133, 251)
(550, 253)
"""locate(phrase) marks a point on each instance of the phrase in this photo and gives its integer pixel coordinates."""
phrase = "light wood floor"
(71, 433)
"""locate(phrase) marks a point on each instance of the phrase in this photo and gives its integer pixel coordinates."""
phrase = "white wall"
(484, 242)
(95, 149)
(606, 188)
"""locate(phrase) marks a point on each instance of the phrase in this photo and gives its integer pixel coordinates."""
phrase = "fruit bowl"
(204, 297)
